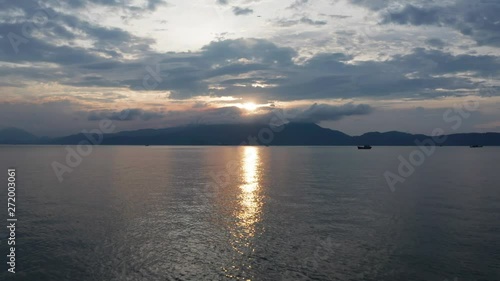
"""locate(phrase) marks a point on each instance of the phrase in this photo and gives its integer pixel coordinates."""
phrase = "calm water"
(272, 213)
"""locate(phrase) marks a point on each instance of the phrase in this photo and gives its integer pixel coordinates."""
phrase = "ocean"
(252, 213)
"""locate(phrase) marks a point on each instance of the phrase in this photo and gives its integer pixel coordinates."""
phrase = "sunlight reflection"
(249, 198)
(247, 214)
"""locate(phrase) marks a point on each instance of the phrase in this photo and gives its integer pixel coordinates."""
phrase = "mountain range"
(252, 134)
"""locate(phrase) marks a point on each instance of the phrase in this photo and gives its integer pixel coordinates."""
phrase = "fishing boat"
(364, 147)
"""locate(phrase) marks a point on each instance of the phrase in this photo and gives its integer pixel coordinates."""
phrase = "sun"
(250, 106)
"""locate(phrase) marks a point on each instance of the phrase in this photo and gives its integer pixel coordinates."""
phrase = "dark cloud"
(239, 11)
(436, 43)
(226, 115)
(438, 62)
(303, 20)
(259, 50)
(478, 19)
(235, 69)
(297, 4)
(150, 5)
(419, 74)
(200, 104)
(414, 15)
(260, 68)
(154, 4)
(187, 75)
(36, 50)
(373, 4)
(125, 115)
(324, 112)
(30, 40)
(106, 65)
(336, 16)
(92, 81)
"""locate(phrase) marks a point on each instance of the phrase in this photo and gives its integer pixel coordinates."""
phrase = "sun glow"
(250, 106)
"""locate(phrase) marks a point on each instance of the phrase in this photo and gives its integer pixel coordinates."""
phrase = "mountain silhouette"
(252, 134)
(16, 136)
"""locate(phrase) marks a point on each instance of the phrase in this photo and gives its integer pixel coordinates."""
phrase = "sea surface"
(253, 213)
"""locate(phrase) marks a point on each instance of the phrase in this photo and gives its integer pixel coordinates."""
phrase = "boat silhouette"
(364, 147)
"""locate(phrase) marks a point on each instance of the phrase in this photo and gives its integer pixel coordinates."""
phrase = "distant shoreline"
(290, 134)
(213, 145)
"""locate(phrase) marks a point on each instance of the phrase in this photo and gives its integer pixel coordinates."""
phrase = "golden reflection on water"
(247, 212)
(249, 198)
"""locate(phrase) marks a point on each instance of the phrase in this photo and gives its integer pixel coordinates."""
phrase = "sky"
(351, 65)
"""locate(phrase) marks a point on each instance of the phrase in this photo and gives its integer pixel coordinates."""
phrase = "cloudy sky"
(351, 65)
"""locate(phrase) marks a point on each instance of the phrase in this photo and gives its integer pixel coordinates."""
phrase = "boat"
(364, 147)
(476, 146)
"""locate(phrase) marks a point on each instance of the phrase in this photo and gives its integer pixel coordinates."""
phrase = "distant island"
(291, 134)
